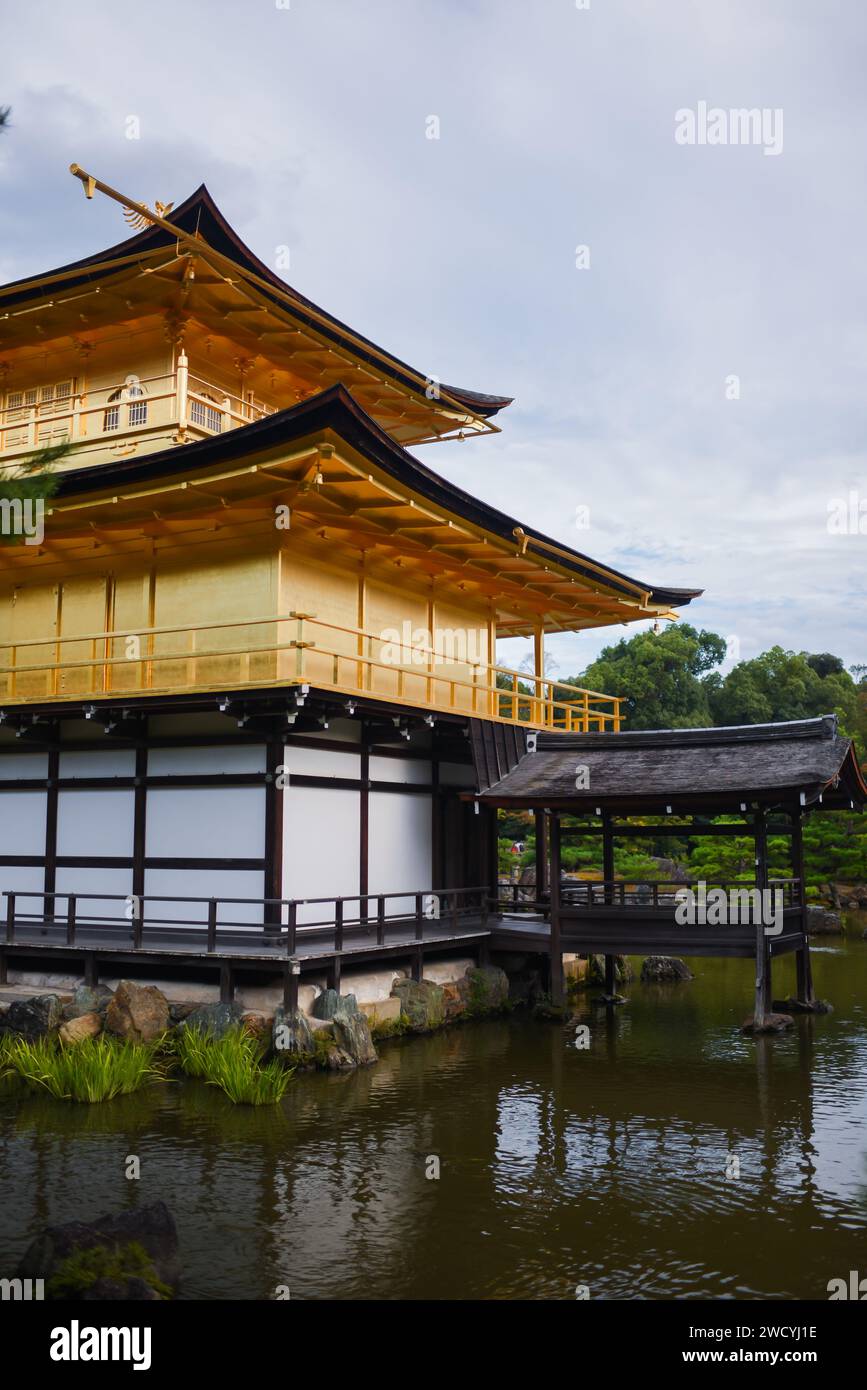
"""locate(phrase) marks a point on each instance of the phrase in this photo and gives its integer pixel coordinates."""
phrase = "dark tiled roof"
(764, 762)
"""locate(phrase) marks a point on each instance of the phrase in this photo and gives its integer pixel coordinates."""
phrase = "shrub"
(234, 1063)
(93, 1070)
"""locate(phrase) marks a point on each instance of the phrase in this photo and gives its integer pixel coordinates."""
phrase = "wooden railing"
(291, 650)
(376, 919)
(107, 414)
(618, 894)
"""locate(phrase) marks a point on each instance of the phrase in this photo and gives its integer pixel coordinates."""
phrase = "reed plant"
(233, 1063)
(92, 1070)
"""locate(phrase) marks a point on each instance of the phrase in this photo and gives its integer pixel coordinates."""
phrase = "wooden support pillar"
(610, 976)
(291, 977)
(273, 839)
(608, 855)
(803, 966)
(558, 992)
(364, 821)
(542, 875)
(763, 956)
(418, 964)
(91, 970)
(334, 973)
(227, 983)
(4, 968)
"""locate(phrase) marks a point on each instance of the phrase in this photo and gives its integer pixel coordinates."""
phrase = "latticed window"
(131, 395)
(204, 411)
(37, 403)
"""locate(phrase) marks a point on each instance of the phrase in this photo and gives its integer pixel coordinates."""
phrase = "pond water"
(604, 1167)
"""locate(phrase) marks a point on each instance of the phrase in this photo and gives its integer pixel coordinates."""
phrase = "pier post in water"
(557, 987)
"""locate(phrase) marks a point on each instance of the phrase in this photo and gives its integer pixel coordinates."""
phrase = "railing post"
(338, 924)
(70, 920)
(212, 924)
(10, 919)
(136, 923)
(419, 907)
(454, 909)
(292, 928)
(183, 378)
(380, 920)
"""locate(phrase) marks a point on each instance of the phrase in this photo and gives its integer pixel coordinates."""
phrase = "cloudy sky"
(695, 377)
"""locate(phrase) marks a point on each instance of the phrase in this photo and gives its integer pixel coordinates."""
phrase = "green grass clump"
(83, 1268)
(234, 1063)
(93, 1070)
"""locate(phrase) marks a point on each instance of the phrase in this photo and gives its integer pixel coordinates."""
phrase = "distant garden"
(672, 680)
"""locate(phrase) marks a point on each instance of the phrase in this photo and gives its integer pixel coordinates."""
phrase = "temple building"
(248, 658)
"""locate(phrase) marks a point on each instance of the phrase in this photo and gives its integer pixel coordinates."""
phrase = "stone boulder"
(139, 1013)
(256, 1025)
(821, 922)
(623, 972)
(422, 1002)
(328, 1002)
(774, 1023)
(291, 1035)
(75, 1030)
(657, 970)
(352, 1039)
(485, 989)
(151, 1228)
(216, 1019)
(88, 999)
(33, 1017)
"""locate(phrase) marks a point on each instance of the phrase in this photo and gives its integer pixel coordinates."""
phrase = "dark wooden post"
(273, 884)
(227, 983)
(291, 976)
(607, 855)
(558, 993)
(608, 894)
(763, 955)
(212, 924)
(542, 877)
(10, 918)
(803, 965)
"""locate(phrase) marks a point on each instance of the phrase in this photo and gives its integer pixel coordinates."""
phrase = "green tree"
(781, 685)
(659, 676)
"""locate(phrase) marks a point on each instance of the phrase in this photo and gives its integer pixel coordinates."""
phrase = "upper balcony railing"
(119, 414)
(292, 650)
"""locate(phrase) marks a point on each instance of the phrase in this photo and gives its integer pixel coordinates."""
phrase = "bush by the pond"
(84, 1268)
(95, 1069)
(234, 1063)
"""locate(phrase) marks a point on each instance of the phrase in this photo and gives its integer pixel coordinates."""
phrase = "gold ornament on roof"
(138, 220)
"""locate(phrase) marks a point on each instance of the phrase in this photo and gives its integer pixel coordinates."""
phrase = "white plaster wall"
(95, 823)
(321, 832)
(205, 822)
(174, 762)
(204, 883)
(400, 845)
(22, 822)
(321, 762)
(399, 770)
(21, 880)
(98, 762)
(84, 881)
(17, 766)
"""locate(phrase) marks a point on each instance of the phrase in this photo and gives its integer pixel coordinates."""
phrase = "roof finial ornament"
(138, 220)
